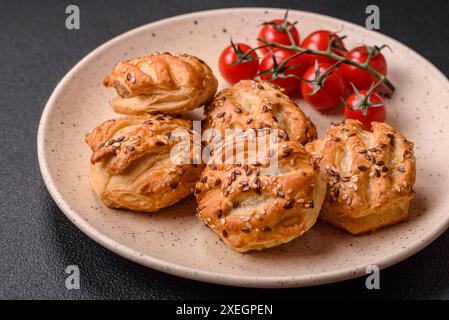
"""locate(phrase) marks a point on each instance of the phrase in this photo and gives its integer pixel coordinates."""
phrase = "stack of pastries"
(354, 179)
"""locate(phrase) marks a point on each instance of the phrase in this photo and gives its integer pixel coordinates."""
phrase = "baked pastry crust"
(370, 175)
(161, 83)
(131, 166)
(258, 104)
(253, 206)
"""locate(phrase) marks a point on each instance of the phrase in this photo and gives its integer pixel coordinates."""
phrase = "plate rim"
(190, 272)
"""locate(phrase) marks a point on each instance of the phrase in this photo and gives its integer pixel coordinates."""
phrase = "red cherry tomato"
(319, 40)
(275, 31)
(329, 95)
(290, 83)
(375, 113)
(362, 79)
(234, 73)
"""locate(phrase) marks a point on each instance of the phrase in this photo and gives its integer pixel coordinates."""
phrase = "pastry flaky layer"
(253, 204)
(258, 104)
(132, 167)
(161, 83)
(370, 175)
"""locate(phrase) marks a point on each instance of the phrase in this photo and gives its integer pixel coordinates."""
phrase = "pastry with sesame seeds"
(370, 174)
(132, 164)
(258, 104)
(161, 83)
(260, 200)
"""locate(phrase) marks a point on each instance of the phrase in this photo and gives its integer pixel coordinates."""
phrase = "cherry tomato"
(375, 113)
(329, 95)
(275, 31)
(319, 40)
(234, 73)
(362, 79)
(289, 84)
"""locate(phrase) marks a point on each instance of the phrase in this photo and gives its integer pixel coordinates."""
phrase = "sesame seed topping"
(174, 184)
(245, 230)
(289, 204)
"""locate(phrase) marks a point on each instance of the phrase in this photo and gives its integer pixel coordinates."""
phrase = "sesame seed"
(289, 204)
(174, 184)
(245, 230)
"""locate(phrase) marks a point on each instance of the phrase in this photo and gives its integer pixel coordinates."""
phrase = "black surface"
(37, 242)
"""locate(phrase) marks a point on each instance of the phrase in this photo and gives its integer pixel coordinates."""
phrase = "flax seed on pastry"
(161, 83)
(370, 175)
(252, 205)
(131, 167)
(258, 104)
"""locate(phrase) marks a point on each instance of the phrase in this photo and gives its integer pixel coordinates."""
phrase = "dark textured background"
(37, 242)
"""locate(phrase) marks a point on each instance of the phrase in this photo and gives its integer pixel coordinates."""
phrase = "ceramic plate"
(173, 240)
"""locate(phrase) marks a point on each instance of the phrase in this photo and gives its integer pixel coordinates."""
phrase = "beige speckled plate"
(173, 240)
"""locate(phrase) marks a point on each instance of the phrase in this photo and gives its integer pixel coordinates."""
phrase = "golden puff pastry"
(132, 165)
(253, 205)
(161, 83)
(258, 104)
(370, 175)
